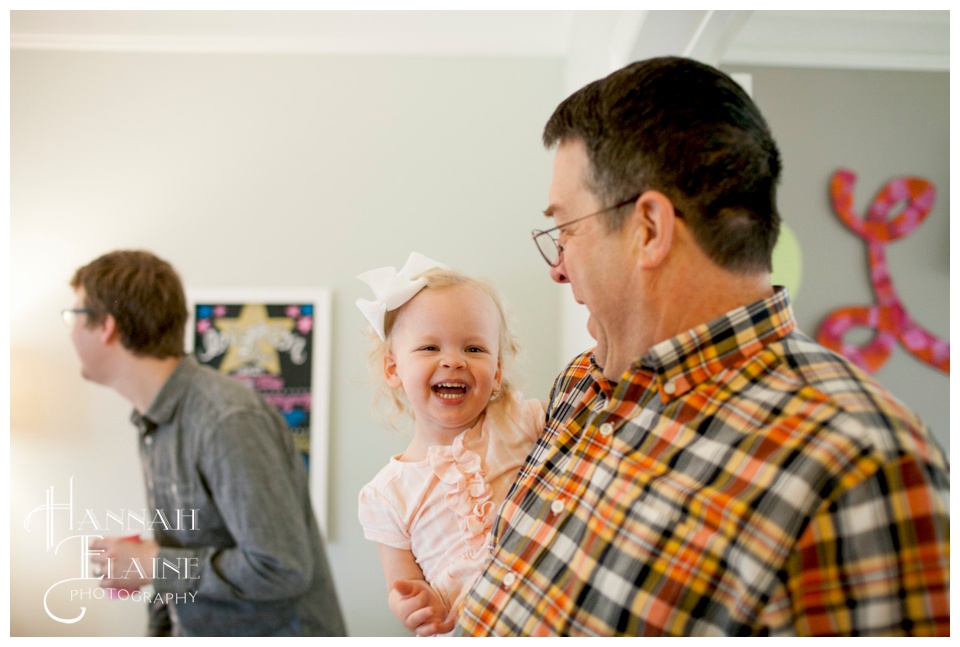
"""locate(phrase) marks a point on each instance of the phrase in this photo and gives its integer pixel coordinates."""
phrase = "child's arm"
(410, 597)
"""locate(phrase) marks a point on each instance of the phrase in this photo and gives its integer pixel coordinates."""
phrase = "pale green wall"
(260, 171)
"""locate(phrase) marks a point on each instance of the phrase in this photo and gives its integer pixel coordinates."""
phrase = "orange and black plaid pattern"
(738, 480)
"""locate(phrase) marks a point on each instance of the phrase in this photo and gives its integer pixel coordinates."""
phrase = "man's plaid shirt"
(739, 479)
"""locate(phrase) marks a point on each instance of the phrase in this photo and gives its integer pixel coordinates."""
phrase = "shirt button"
(509, 580)
(557, 506)
(148, 440)
(606, 429)
(669, 388)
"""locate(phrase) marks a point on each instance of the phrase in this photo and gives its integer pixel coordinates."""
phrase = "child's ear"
(390, 372)
(498, 378)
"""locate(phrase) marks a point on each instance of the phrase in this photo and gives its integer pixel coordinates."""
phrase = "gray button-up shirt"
(244, 556)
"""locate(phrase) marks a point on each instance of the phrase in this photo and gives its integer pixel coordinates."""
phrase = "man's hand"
(419, 608)
(125, 563)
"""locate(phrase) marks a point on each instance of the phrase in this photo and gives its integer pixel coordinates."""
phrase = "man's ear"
(652, 227)
(108, 330)
(390, 372)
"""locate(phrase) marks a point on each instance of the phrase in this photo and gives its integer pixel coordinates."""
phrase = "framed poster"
(278, 342)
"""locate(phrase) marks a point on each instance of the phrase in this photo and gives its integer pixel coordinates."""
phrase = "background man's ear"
(109, 332)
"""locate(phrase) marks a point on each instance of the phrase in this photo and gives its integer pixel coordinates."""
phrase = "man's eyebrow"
(548, 212)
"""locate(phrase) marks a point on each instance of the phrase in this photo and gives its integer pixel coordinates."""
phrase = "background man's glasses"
(70, 314)
(550, 249)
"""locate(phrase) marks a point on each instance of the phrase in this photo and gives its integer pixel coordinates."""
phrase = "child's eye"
(429, 348)
(475, 349)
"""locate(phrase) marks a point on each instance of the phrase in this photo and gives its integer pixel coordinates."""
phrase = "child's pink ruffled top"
(442, 508)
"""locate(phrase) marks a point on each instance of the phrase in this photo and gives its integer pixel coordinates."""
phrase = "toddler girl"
(443, 349)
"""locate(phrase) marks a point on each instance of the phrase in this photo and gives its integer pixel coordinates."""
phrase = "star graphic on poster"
(254, 334)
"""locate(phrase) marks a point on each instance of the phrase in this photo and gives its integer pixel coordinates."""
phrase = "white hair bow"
(392, 288)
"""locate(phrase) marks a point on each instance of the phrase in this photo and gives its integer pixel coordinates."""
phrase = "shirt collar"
(144, 424)
(695, 356)
(164, 406)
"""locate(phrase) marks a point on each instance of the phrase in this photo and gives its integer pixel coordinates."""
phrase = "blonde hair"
(438, 279)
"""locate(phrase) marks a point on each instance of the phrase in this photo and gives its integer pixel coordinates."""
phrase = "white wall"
(259, 171)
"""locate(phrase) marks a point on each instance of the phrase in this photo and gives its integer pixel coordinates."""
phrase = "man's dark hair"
(689, 131)
(143, 294)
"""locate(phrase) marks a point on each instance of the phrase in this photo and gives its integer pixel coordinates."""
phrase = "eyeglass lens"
(70, 315)
(548, 248)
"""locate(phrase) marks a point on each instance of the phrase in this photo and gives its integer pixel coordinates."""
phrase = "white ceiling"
(918, 40)
(592, 42)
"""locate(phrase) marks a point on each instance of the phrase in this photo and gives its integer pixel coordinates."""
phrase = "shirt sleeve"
(260, 503)
(380, 519)
(875, 561)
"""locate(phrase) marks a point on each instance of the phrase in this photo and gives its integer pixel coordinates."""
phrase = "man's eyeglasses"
(70, 314)
(551, 249)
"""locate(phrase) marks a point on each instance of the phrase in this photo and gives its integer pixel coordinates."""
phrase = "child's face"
(444, 350)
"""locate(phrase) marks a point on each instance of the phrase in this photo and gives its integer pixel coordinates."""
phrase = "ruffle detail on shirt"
(471, 496)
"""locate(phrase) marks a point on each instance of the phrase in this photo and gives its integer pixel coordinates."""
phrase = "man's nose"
(559, 273)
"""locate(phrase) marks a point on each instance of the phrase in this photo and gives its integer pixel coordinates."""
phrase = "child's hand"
(419, 608)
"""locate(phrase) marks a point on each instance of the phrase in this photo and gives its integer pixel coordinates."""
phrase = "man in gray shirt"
(236, 548)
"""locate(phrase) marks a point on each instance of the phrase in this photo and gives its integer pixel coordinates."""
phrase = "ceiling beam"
(604, 41)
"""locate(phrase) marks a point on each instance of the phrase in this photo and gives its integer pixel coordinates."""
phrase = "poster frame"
(320, 298)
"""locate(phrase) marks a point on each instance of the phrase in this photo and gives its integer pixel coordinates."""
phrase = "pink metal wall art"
(888, 318)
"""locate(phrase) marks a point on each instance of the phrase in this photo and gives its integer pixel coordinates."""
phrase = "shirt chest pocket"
(178, 505)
